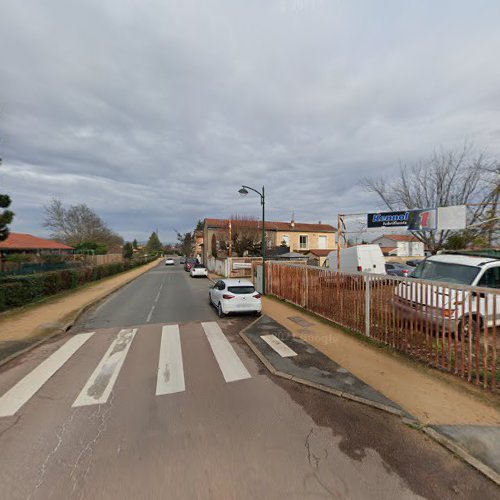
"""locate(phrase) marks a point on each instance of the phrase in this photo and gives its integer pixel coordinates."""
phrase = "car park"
(396, 269)
(169, 262)
(234, 295)
(198, 270)
(189, 263)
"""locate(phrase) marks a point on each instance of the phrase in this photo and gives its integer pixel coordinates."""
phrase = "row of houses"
(311, 240)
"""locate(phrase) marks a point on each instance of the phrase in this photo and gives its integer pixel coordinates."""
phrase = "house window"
(286, 240)
(304, 244)
(322, 242)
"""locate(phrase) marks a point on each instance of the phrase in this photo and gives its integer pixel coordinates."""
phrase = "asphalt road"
(134, 426)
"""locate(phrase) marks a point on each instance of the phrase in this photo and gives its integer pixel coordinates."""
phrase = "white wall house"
(400, 245)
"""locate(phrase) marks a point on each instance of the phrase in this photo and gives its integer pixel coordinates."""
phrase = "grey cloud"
(155, 112)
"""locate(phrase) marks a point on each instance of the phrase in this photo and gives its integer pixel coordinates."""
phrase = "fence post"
(367, 305)
(306, 291)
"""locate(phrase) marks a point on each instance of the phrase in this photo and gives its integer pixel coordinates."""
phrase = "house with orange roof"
(400, 245)
(297, 236)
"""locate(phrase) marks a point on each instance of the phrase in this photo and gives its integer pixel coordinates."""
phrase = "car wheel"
(468, 327)
(220, 311)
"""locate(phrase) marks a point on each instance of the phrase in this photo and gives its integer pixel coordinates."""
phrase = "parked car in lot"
(447, 302)
(396, 269)
(189, 263)
(233, 295)
(169, 262)
(198, 270)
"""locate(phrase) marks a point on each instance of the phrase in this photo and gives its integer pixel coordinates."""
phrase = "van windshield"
(441, 271)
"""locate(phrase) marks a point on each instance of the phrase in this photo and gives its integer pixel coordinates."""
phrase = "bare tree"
(245, 235)
(78, 224)
(446, 178)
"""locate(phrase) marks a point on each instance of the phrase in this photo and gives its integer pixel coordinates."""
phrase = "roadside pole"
(367, 305)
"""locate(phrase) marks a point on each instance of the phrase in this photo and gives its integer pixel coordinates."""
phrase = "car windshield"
(191, 261)
(241, 290)
(442, 271)
(201, 266)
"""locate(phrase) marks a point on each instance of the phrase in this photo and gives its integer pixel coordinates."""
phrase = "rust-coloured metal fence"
(451, 327)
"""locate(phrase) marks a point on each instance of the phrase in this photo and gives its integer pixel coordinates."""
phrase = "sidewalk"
(22, 329)
(462, 418)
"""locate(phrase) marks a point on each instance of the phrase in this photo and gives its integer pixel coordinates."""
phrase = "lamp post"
(244, 191)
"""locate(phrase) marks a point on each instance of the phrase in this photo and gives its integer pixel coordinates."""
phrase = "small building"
(318, 256)
(400, 245)
(29, 244)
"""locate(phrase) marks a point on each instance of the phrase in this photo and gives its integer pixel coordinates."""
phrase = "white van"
(360, 258)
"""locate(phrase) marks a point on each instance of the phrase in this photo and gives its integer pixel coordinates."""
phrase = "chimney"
(292, 223)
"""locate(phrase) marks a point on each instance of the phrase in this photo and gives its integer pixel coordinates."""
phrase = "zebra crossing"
(97, 389)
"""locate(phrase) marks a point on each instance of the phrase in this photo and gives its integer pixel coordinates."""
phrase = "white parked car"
(443, 305)
(198, 270)
(235, 295)
(169, 262)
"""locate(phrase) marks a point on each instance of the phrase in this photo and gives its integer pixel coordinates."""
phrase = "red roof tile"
(21, 241)
(275, 226)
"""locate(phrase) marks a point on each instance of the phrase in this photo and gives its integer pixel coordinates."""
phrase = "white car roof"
(236, 282)
(464, 260)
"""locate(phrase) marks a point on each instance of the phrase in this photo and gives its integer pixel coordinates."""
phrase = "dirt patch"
(423, 395)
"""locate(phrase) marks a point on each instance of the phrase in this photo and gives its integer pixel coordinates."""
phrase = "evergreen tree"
(6, 216)
(135, 244)
(128, 250)
(154, 244)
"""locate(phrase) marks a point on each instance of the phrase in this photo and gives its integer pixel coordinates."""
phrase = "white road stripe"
(101, 382)
(275, 343)
(170, 367)
(16, 397)
(231, 366)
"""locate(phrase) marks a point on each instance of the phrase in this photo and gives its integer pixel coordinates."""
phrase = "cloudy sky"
(155, 112)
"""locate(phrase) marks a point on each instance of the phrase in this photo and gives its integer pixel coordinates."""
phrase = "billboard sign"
(413, 220)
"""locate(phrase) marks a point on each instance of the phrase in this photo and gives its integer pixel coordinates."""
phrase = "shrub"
(17, 291)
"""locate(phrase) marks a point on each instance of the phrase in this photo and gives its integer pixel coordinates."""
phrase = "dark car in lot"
(397, 269)
(189, 263)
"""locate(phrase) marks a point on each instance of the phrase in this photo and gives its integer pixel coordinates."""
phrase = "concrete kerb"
(410, 421)
(463, 454)
(324, 388)
(63, 329)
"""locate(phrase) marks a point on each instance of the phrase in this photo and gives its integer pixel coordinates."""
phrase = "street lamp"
(243, 192)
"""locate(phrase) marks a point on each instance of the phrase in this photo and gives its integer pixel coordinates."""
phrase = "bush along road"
(18, 291)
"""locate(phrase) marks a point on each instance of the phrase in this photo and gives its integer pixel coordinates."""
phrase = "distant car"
(189, 263)
(396, 269)
(235, 295)
(198, 270)
(169, 262)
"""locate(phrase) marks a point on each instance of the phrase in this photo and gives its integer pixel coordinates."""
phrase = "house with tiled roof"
(400, 245)
(27, 243)
(297, 236)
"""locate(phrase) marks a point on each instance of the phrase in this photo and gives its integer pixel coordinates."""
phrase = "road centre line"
(155, 302)
(18, 395)
(101, 382)
(280, 347)
(170, 377)
(230, 364)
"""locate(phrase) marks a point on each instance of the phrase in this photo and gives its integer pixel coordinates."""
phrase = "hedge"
(17, 291)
